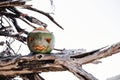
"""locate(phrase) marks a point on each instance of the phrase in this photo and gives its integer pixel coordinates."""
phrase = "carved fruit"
(40, 40)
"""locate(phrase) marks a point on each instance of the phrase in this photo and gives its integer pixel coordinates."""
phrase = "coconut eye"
(48, 40)
(30, 39)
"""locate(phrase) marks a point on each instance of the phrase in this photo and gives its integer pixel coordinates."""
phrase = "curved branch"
(98, 54)
(27, 22)
(44, 13)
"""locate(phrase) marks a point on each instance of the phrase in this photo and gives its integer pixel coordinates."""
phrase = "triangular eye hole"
(30, 39)
(48, 40)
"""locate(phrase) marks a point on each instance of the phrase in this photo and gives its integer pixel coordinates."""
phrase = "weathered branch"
(28, 64)
(101, 53)
(16, 36)
(18, 65)
(11, 3)
(78, 71)
(44, 13)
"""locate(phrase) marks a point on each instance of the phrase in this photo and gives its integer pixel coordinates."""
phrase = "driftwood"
(19, 65)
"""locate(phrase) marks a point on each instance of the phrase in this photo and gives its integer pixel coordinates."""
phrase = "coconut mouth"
(40, 48)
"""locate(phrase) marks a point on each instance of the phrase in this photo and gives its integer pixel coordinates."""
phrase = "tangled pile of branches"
(9, 15)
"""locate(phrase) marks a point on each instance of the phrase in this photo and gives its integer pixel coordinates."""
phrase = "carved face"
(40, 40)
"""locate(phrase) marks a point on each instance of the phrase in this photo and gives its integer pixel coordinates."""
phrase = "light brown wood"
(18, 65)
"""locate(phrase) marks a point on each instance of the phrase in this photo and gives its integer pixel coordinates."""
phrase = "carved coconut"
(40, 40)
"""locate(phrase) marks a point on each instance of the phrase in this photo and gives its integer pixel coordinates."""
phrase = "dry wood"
(18, 65)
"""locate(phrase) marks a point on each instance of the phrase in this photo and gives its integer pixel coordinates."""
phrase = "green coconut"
(41, 41)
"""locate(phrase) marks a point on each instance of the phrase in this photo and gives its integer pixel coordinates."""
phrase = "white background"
(88, 24)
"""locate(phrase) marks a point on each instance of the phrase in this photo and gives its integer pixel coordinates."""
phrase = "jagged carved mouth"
(37, 47)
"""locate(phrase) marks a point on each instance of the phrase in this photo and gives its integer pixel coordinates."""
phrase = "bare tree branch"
(105, 52)
(44, 13)
(18, 65)
(78, 71)
(11, 3)
(16, 36)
